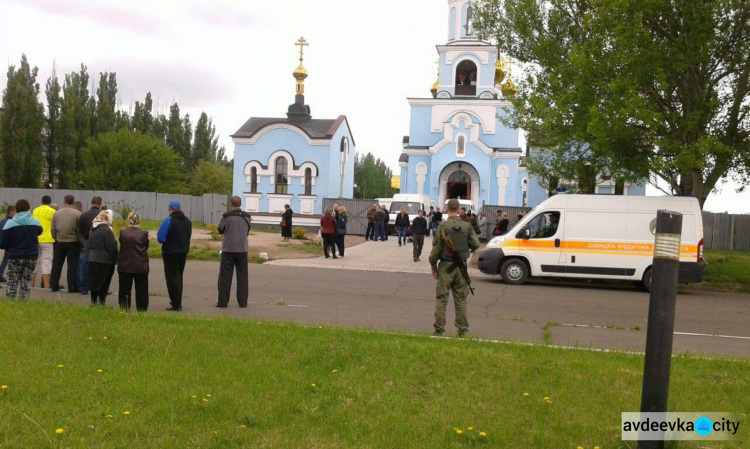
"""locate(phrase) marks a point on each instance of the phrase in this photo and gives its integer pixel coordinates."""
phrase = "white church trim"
(421, 171)
(470, 170)
(270, 169)
(460, 54)
(259, 134)
(502, 175)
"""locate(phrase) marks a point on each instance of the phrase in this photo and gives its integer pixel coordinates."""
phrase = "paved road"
(592, 316)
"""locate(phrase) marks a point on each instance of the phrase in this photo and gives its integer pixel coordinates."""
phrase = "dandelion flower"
(59, 366)
(60, 431)
(335, 371)
(105, 338)
(126, 412)
(596, 447)
(109, 416)
(216, 433)
(242, 426)
(579, 447)
(320, 327)
(4, 387)
(99, 371)
(205, 400)
(208, 395)
(526, 394)
(548, 401)
(469, 429)
(459, 432)
(482, 434)
(195, 397)
(312, 385)
(546, 398)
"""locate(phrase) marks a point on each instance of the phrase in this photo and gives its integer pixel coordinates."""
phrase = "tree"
(75, 124)
(143, 119)
(206, 143)
(129, 161)
(105, 117)
(53, 125)
(21, 128)
(210, 177)
(372, 177)
(654, 88)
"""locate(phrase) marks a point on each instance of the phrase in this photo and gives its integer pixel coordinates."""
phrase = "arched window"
(282, 181)
(461, 146)
(466, 78)
(253, 180)
(469, 16)
(308, 181)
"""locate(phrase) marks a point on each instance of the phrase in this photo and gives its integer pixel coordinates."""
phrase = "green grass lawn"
(727, 270)
(180, 381)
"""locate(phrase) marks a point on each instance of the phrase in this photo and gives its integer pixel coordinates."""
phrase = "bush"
(299, 233)
(214, 230)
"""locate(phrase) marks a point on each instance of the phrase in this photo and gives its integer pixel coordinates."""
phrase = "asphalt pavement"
(394, 293)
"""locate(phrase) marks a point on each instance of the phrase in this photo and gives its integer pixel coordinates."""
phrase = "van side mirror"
(524, 233)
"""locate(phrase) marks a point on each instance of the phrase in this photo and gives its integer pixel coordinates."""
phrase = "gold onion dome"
(501, 70)
(509, 89)
(300, 73)
(434, 88)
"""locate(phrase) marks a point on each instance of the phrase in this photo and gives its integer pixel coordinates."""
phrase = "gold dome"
(434, 88)
(501, 70)
(300, 72)
(509, 89)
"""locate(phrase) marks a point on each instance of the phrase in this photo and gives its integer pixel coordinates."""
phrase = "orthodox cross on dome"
(300, 73)
(302, 44)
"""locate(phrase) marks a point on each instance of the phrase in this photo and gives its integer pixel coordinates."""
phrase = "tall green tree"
(143, 118)
(210, 177)
(21, 128)
(124, 160)
(205, 144)
(75, 122)
(159, 128)
(105, 116)
(53, 126)
(654, 88)
(372, 177)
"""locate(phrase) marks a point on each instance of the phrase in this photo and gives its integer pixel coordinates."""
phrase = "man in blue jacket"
(174, 236)
(8, 216)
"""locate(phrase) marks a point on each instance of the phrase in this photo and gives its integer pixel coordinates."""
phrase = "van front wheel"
(645, 284)
(514, 272)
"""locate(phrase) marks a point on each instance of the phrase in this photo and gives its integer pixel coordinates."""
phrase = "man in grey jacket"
(64, 230)
(235, 226)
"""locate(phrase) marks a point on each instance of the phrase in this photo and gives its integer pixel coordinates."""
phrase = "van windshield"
(411, 207)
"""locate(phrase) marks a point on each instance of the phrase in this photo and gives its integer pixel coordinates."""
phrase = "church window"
(282, 181)
(308, 181)
(469, 16)
(461, 146)
(253, 180)
(466, 78)
(459, 176)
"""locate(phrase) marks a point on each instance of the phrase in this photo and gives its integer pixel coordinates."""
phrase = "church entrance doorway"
(459, 180)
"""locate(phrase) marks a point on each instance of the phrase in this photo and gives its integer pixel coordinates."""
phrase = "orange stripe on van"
(606, 248)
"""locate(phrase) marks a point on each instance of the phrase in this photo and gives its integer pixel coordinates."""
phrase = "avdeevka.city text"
(678, 425)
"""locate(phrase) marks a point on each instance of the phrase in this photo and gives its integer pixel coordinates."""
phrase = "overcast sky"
(234, 59)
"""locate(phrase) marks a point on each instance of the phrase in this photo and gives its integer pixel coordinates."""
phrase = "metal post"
(661, 311)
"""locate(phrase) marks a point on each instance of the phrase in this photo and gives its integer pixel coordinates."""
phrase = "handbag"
(283, 223)
(496, 231)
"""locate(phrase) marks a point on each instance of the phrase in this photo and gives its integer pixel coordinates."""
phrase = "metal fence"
(149, 205)
(356, 210)
(726, 231)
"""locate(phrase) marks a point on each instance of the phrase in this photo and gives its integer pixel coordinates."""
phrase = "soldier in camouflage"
(447, 274)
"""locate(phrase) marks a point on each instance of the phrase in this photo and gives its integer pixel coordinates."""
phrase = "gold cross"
(510, 64)
(302, 43)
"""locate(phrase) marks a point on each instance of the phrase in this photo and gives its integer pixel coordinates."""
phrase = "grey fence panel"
(214, 206)
(356, 210)
(708, 230)
(741, 233)
(490, 211)
(722, 232)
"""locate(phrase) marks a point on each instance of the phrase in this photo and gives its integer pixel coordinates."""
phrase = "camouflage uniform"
(449, 276)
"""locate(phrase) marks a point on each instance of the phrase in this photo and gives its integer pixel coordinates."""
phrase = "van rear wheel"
(645, 284)
(514, 272)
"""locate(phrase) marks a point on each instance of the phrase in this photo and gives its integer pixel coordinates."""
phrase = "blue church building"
(457, 145)
(295, 160)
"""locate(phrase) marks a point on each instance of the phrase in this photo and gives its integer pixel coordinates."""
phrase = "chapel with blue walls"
(295, 160)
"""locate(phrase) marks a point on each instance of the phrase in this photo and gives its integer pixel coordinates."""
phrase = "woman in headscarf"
(132, 264)
(286, 223)
(341, 230)
(102, 256)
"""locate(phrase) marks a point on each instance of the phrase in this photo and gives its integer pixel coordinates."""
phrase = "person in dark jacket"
(4, 263)
(84, 228)
(379, 221)
(286, 223)
(503, 224)
(328, 232)
(418, 231)
(132, 264)
(174, 236)
(402, 223)
(437, 217)
(20, 240)
(235, 226)
(386, 220)
(341, 230)
(370, 232)
(102, 256)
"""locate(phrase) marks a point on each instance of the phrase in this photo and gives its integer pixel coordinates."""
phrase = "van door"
(542, 241)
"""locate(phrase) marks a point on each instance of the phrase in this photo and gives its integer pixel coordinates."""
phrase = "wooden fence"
(356, 210)
(726, 231)
(149, 205)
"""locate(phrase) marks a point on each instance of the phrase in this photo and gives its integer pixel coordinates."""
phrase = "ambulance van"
(595, 237)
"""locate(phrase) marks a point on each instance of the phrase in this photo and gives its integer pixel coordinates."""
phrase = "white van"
(384, 201)
(411, 202)
(594, 236)
(470, 208)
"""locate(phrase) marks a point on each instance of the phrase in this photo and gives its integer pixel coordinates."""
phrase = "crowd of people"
(41, 241)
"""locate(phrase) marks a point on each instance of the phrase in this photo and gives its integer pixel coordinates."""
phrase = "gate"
(356, 210)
